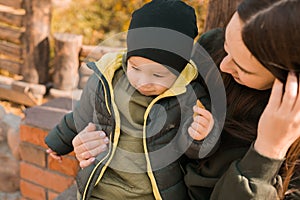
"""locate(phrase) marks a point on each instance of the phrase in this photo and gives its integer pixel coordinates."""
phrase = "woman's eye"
(245, 72)
(135, 68)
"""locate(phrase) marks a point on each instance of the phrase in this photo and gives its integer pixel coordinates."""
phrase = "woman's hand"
(202, 124)
(88, 144)
(279, 125)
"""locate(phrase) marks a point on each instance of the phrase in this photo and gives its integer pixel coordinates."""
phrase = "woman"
(259, 145)
(261, 42)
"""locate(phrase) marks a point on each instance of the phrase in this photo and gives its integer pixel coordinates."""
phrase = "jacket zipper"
(110, 149)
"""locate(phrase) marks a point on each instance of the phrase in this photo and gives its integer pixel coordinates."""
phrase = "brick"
(32, 191)
(33, 154)
(52, 195)
(68, 166)
(46, 178)
(33, 135)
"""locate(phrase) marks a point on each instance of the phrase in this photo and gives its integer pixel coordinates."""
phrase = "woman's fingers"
(84, 137)
(89, 146)
(290, 93)
(92, 150)
(297, 103)
(90, 127)
(85, 163)
(279, 124)
(276, 95)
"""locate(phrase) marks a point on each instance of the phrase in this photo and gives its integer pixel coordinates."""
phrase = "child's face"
(149, 77)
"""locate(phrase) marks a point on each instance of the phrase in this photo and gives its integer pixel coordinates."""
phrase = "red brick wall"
(43, 178)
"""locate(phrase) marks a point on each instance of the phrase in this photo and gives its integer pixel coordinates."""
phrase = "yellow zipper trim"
(113, 62)
(176, 89)
(155, 189)
(115, 143)
(105, 95)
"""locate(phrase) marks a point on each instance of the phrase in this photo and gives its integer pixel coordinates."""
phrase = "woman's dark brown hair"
(271, 32)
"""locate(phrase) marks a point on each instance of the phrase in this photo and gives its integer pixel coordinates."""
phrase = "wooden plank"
(10, 65)
(12, 16)
(11, 34)
(18, 97)
(24, 97)
(13, 3)
(11, 50)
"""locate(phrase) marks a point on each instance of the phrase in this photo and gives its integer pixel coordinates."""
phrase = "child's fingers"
(49, 151)
(205, 113)
(199, 105)
(56, 157)
(198, 127)
(202, 121)
(53, 154)
(195, 134)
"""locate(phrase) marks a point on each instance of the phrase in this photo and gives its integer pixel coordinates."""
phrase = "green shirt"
(126, 176)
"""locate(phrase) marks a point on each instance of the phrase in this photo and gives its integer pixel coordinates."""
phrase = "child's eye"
(158, 75)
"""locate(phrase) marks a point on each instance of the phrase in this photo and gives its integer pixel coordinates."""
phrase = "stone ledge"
(48, 115)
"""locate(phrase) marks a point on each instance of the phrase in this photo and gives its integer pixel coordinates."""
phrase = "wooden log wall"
(24, 38)
(12, 31)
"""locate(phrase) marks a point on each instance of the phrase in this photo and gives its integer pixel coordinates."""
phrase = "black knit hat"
(163, 31)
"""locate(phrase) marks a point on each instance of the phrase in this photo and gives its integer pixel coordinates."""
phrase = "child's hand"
(202, 124)
(54, 155)
(88, 144)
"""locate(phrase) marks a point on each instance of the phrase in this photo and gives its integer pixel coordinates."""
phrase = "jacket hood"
(111, 62)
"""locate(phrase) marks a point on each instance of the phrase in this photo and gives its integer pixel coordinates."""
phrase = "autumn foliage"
(97, 20)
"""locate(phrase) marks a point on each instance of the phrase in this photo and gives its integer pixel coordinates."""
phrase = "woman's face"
(149, 77)
(240, 63)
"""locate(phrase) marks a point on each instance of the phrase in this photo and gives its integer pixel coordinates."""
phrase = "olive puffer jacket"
(167, 144)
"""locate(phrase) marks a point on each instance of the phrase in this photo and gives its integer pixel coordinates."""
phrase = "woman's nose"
(227, 65)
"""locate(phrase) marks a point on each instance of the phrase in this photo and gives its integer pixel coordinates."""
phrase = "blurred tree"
(97, 19)
(219, 13)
